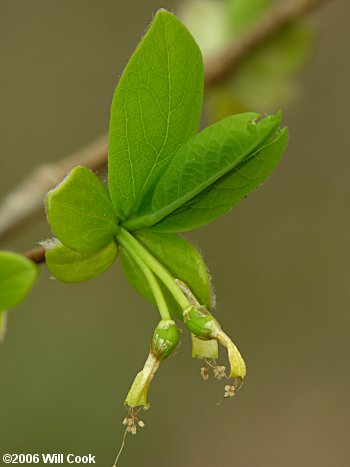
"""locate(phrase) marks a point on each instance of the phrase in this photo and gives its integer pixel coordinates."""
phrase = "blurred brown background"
(280, 263)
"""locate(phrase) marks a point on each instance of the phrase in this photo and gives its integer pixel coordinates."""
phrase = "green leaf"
(17, 276)
(229, 190)
(81, 213)
(72, 266)
(206, 158)
(182, 260)
(156, 107)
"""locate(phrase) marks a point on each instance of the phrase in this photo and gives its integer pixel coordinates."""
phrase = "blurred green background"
(280, 263)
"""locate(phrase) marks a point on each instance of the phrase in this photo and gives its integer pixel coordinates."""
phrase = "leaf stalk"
(136, 250)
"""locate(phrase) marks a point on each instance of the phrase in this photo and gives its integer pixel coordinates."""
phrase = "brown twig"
(26, 200)
(37, 255)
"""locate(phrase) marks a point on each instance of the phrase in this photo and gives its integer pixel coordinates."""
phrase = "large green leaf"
(156, 107)
(81, 213)
(182, 260)
(203, 160)
(17, 276)
(229, 190)
(72, 266)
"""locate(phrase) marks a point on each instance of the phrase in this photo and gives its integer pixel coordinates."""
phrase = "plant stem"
(152, 281)
(135, 249)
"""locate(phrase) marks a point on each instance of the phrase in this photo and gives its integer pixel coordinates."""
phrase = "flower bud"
(165, 339)
(201, 323)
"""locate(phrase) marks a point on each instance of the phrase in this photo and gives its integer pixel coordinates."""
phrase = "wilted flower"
(203, 325)
(230, 391)
(204, 349)
(219, 372)
(132, 422)
(165, 340)
(204, 373)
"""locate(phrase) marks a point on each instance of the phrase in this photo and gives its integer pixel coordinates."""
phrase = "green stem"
(135, 249)
(152, 281)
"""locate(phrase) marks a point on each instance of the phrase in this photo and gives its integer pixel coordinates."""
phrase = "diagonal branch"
(25, 202)
(222, 65)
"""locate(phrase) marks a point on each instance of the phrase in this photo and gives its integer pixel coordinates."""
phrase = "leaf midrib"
(168, 116)
(147, 220)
